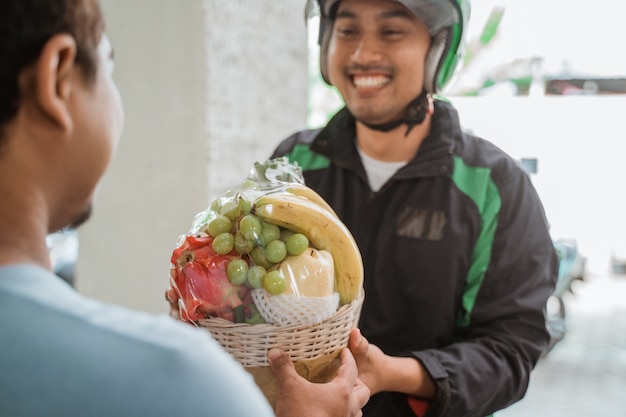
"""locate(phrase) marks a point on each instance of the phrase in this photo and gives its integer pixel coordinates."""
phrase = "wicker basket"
(249, 343)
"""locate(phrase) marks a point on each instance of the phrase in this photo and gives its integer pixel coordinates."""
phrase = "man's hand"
(344, 396)
(370, 361)
(381, 372)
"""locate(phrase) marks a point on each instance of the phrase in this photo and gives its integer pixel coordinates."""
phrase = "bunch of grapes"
(262, 246)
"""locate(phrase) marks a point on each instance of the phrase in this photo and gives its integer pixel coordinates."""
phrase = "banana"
(307, 192)
(325, 232)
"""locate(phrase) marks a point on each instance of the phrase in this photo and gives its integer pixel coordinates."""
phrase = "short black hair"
(26, 26)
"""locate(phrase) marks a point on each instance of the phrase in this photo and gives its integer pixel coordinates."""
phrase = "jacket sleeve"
(502, 330)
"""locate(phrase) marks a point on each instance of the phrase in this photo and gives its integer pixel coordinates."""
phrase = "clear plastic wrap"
(265, 252)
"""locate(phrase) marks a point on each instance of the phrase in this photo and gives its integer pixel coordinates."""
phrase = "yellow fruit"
(310, 274)
(307, 192)
(325, 232)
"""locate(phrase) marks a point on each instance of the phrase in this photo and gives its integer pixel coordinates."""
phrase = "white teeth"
(369, 82)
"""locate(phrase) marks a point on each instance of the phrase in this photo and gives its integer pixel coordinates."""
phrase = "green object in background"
(488, 33)
(491, 27)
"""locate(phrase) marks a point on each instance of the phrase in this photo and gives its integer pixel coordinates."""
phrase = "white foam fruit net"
(288, 309)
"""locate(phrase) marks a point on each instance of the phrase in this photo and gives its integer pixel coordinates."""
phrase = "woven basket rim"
(249, 343)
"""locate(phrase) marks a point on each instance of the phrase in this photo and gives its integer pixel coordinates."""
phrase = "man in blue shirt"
(62, 354)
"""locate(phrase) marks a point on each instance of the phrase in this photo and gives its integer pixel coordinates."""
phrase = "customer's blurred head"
(60, 111)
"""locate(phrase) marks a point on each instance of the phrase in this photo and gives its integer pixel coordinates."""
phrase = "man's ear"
(54, 70)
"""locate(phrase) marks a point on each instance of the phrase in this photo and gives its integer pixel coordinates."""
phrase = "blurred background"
(211, 86)
(208, 88)
(546, 81)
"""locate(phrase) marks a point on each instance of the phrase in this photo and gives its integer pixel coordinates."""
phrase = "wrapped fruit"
(269, 264)
(270, 250)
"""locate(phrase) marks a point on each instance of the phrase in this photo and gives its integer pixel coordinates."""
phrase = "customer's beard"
(82, 218)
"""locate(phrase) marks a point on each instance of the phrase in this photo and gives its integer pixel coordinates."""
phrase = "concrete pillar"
(208, 88)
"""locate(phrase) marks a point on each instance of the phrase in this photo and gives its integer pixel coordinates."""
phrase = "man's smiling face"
(376, 58)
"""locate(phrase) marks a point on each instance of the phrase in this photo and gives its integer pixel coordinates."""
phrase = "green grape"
(216, 205)
(274, 282)
(255, 276)
(237, 271)
(223, 243)
(255, 316)
(243, 245)
(258, 257)
(231, 210)
(244, 206)
(250, 227)
(220, 224)
(285, 234)
(276, 251)
(269, 232)
(297, 244)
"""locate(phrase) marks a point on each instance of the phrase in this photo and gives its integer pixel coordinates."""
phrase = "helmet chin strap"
(415, 114)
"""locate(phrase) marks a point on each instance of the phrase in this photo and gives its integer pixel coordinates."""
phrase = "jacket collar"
(337, 140)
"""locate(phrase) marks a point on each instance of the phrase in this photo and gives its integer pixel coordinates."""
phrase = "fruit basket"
(269, 264)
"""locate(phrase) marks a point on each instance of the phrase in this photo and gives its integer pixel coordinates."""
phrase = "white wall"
(208, 87)
(256, 82)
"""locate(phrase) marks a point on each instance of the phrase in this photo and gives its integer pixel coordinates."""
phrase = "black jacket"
(458, 260)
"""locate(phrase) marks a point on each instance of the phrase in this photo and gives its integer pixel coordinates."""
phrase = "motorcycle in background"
(571, 268)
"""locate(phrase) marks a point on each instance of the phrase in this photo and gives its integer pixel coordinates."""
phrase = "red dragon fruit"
(199, 276)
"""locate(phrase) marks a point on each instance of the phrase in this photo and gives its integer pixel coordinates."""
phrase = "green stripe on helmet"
(447, 53)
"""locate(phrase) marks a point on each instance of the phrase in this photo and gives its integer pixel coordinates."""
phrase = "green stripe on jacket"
(307, 159)
(477, 184)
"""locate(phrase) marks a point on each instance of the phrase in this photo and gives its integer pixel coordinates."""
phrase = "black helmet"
(446, 20)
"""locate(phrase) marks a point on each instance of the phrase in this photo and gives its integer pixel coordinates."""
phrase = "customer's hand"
(344, 396)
